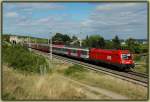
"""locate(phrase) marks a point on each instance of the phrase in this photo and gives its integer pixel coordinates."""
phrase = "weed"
(74, 69)
(21, 58)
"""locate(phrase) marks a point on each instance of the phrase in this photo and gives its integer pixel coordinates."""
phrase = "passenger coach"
(119, 58)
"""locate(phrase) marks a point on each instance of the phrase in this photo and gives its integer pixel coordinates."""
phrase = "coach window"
(65, 50)
(57, 48)
(84, 52)
(73, 51)
(61, 49)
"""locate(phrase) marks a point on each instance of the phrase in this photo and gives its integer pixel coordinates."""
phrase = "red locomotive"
(119, 58)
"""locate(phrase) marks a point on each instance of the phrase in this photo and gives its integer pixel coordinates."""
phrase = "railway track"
(139, 74)
(134, 77)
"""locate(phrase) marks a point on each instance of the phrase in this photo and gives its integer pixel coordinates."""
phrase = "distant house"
(77, 42)
(122, 42)
(15, 39)
(141, 41)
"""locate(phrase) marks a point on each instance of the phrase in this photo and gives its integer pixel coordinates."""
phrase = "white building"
(123, 43)
(13, 39)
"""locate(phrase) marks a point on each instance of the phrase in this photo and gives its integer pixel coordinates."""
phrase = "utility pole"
(50, 47)
(80, 41)
(29, 43)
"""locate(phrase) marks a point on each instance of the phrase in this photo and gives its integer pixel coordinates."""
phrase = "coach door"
(69, 52)
(79, 53)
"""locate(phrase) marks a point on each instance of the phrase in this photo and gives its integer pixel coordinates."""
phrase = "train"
(122, 59)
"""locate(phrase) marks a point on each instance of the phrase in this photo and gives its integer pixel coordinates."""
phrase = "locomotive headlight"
(128, 55)
(123, 61)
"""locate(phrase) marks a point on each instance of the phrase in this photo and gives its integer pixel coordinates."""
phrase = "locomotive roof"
(109, 50)
(66, 47)
(87, 49)
(72, 48)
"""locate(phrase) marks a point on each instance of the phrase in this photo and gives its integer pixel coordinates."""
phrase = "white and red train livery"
(118, 58)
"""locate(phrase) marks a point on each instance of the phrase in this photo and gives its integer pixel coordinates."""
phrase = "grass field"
(108, 82)
(141, 63)
(65, 81)
(28, 87)
(52, 86)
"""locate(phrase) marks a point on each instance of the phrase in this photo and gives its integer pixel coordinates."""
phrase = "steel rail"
(131, 77)
(139, 74)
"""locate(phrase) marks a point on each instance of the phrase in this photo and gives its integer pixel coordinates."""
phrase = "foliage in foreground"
(17, 87)
(76, 71)
(22, 59)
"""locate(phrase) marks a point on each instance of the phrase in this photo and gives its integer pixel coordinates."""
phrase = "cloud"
(114, 6)
(28, 7)
(12, 14)
(120, 19)
(107, 19)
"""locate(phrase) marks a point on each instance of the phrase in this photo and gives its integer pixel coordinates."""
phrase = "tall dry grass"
(122, 87)
(18, 86)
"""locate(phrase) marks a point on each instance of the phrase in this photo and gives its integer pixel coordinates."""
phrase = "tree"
(95, 41)
(74, 38)
(101, 42)
(57, 37)
(60, 37)
(108, 44)
(86, 41)
(66, 38)
(6, 37)
(133, 46)
(116, 42)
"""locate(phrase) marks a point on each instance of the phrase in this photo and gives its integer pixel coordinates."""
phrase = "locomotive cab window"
(126, 56)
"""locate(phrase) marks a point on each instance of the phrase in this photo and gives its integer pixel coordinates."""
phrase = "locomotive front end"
(127, 61)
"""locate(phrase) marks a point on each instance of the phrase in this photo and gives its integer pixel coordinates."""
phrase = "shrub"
(22, 59)
(74, 69)
(137, 57)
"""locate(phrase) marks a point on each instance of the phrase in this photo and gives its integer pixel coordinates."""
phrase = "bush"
(22, 59)
(137, 57)
(74, 69)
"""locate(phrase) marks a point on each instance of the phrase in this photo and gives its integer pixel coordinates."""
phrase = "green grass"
(39, 40)
(141, 68)
(75, 71)
(22, 59)
(107, 82)
(142, 63)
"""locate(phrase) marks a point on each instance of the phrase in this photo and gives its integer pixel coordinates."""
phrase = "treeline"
(130, 44)
(93, 41)
(97, 41)
(64, 38)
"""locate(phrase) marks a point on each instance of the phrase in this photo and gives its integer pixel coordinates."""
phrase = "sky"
(80, 19)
